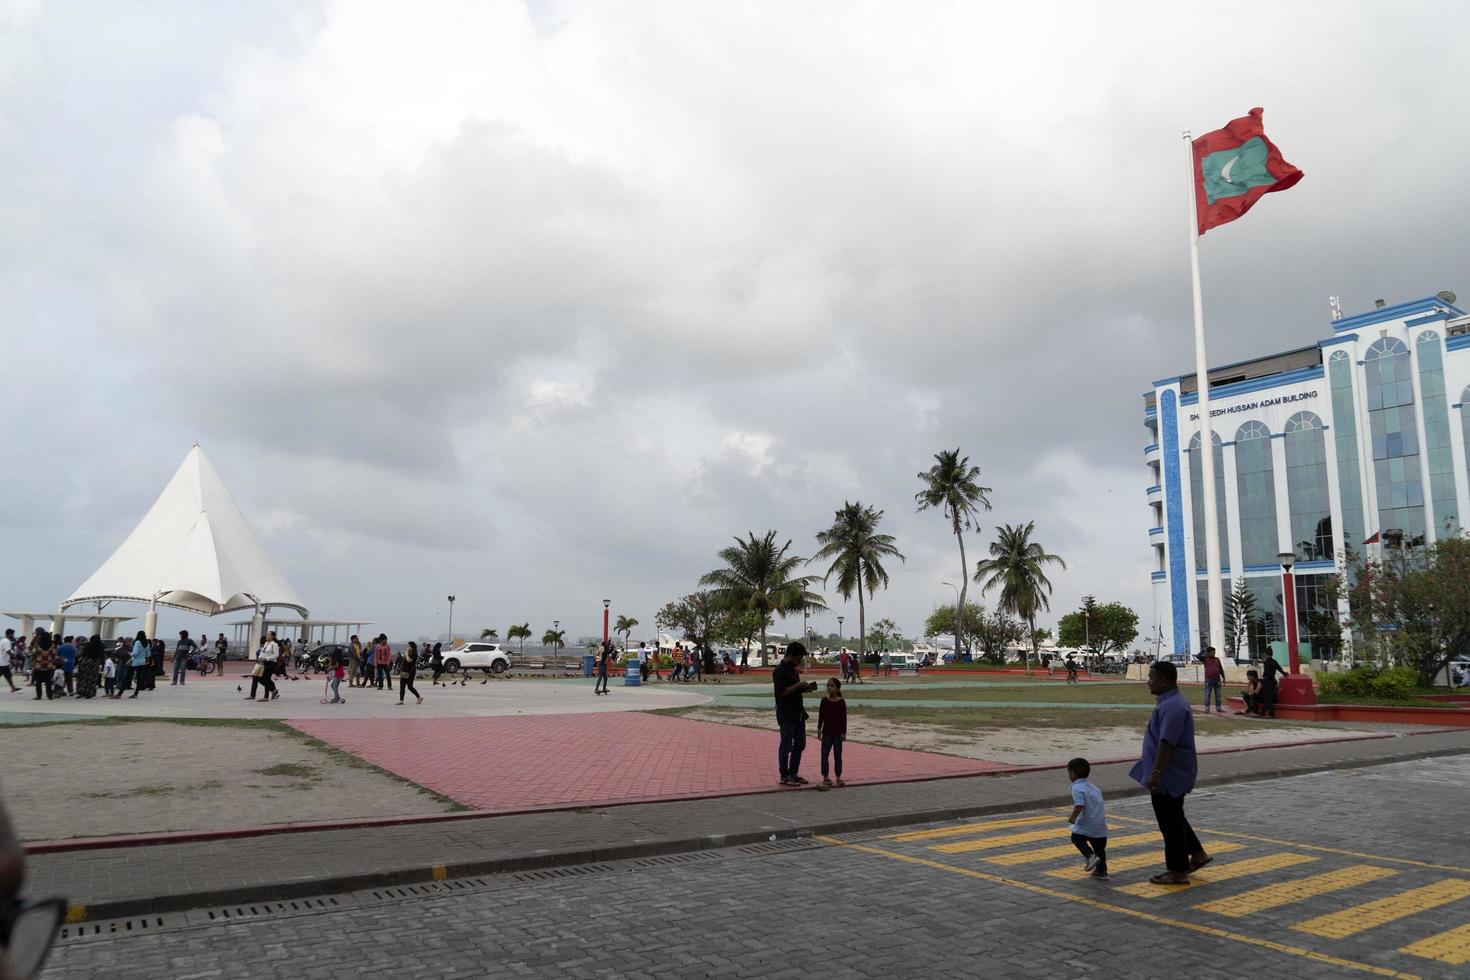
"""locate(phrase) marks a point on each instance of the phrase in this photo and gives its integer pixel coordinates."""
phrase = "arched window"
(1197, 498)
(1345, 436)
(1442, 499)
(1309, 500)
(1255, 484)
(1389, 388)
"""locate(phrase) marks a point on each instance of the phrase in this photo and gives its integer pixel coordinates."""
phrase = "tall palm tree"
(759, 578)
(953, 486)
(625, 626)
(521, 632)
(490, 633)
(556, 639)
(1017, 566)
(856, 551)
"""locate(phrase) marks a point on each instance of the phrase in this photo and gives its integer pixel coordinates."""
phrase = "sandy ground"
(98, 780)
(1023, 746)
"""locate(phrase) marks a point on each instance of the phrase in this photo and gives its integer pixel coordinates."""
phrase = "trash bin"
(632, 675)
(589, 665)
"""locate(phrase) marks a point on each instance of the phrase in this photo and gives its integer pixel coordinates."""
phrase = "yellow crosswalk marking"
(1219, 872)
(1003, 840)
(1451, 947)
(1135, 861)
(971, 828)
(1275, 896)
(1068, 850)
(1350, 921)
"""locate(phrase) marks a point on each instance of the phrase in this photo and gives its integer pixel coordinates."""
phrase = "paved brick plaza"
(513, 763)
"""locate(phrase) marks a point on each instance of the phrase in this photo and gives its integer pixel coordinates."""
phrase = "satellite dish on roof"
(1447, 295)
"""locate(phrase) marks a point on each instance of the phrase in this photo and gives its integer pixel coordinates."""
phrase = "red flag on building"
(1233, 167)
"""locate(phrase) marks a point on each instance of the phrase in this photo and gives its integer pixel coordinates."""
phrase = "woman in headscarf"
(89, 667)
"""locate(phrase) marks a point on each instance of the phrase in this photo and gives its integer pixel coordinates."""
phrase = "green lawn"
(1125, 693)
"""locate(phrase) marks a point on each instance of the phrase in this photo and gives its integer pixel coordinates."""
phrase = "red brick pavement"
(523, 762)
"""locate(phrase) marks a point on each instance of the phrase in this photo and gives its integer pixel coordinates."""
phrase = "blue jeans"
(181, 669)
(793, 741)
(832, 744)
(336, 682)
(1215, 686)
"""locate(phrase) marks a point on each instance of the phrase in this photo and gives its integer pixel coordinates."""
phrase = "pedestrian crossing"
(1330, 897)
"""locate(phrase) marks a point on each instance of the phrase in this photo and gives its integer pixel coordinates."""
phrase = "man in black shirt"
(1269, 670)
(790, 713)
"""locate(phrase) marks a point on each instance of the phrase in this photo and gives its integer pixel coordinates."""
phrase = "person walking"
(1214, 678)
(43, 663)
(1167, 768)
(89, 667)
(436, 664)
(791, 713)
(604, 660)
(406, 672)
(338, 671)
(66, 657)
(7, 652)
(138, 662)
(183, 650)
(1088, 821)
(832, 728)
(382, 661)
(122, 653)
(109, 677)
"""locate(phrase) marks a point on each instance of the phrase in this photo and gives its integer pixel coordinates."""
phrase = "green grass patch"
(1126, 693)
(145, 792)
(294, 770)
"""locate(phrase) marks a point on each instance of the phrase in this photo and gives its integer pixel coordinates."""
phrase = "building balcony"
(1155, 494)
(1151, 454)
(1160, 576)
(1156, 537)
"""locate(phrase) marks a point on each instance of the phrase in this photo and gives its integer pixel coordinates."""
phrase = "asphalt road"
(1357, 873)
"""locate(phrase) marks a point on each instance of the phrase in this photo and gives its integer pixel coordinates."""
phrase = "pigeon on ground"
(239, 688)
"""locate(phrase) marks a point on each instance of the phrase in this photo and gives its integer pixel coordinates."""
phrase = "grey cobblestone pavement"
(126, 881)
(992, 897)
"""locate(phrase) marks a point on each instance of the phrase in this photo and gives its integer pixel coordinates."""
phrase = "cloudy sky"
(541, 302)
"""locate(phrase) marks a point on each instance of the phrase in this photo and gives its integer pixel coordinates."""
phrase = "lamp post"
(1087, 628)
(606, 605)
(841, 639)
(451, 622)
(1295, 687)
(958, 612)
(806, 634)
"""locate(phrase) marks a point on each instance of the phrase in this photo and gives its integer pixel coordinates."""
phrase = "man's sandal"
(1169, 878)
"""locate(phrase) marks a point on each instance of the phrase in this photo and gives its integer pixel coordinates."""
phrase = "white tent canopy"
(193, 550)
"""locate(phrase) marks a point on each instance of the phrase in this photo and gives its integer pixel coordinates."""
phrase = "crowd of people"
(77, 666)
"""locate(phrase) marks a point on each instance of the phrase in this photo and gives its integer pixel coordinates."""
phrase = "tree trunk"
(763, 644)
(862, 622)
(1031, 622)
(959, 613)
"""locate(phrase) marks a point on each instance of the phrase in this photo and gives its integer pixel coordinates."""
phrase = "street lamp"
(1087, 628)
(1295, 687)
(841, 640)
(606, 605)
(451, 622)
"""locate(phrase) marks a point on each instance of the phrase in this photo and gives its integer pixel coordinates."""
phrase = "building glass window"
(1345, 433)
(1265, 620)
(1309, 499)
(1316, 618)
(1396, 476)
(1442, 499)
(1255, 483)
(1465, 426)
(1197, 499)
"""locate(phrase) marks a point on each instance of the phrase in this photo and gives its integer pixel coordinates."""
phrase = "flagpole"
(1213, 585)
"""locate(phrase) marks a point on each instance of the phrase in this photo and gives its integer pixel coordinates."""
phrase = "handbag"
(259, 670)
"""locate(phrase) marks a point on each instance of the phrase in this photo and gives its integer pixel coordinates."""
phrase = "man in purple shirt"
(1167, 769)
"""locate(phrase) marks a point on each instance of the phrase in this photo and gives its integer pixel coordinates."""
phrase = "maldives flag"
(1233, 167)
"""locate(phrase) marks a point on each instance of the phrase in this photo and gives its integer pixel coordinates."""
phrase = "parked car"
(489, 657)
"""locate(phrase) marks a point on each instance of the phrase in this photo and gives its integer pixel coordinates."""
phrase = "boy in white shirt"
(1089, 823)
(109, 676)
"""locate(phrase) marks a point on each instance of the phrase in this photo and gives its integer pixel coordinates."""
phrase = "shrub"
(1383, 684)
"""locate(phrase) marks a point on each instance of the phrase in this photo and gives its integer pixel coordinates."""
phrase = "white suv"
(489, 657)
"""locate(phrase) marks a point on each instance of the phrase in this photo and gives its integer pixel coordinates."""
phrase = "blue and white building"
(1364, 433)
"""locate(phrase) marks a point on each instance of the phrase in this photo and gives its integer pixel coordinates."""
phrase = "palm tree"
(1017, 566)
(490, 633)
(758, 578)
(520, 632)
(953, 486)
(556, 639)
(856, 551)
(625, 626)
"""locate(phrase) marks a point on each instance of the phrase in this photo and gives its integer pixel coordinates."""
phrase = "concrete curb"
(282, 891)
